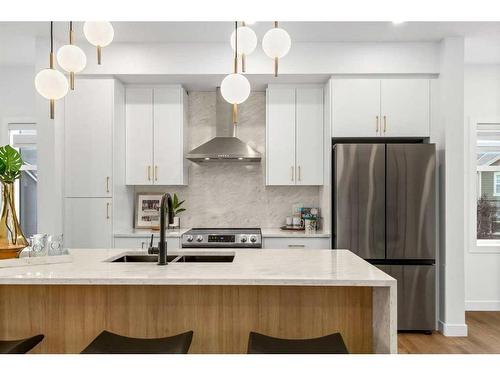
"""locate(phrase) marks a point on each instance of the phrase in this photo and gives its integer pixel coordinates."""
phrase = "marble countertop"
(266, 233)
(250, 267)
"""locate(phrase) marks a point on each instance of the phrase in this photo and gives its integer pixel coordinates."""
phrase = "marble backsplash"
(230, 194)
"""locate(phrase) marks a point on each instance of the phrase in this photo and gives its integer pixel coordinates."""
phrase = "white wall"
(448, 132)
(482, 270)
(303, 58)
(17, 96)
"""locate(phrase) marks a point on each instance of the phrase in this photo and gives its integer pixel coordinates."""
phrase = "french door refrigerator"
(384, 210)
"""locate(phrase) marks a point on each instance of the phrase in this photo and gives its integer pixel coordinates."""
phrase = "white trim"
(496, 192)
(452, 330)
(482, 305)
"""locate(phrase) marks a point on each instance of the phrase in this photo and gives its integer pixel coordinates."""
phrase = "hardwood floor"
(484, 337)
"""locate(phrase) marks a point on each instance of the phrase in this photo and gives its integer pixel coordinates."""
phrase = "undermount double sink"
(187, 258)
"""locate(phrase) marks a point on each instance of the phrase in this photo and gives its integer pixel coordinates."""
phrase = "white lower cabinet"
(297, 243)
(173, 243)
(88, 223)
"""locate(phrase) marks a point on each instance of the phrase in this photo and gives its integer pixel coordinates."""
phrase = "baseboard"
(459, 330)
(482, 305)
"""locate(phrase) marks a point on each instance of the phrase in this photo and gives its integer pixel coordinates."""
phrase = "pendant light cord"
(51, 37)
(236, 47)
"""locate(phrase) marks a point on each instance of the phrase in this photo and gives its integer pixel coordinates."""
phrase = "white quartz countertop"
(277, 232)
(266, 233)
(250, 267)
(170, 233)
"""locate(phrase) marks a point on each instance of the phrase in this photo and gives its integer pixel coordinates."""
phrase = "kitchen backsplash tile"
(230, 194)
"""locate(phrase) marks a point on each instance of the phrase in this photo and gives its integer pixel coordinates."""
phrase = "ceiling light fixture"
(276, 44)
(99, 34)
(235, 88)
(51, 83)
(247, 41)
(71, 58)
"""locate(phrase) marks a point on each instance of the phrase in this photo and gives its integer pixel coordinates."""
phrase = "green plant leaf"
(13, 163)
(179, 211)
(176, 199)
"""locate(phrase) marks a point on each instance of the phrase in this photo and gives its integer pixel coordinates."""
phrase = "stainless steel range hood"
(225, 146)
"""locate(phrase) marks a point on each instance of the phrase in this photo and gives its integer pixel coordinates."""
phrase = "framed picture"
(147, 210)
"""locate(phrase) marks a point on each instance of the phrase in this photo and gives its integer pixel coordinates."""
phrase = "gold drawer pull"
(149, 173)
(297, 246)
(107, 184)
(156, 173)
(376, 126)
(385, 123)
(107, 210)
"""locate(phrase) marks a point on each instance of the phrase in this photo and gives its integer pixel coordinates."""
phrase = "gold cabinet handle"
(149, 173)
(107, 184)
(291, 169)
(107, 210)
(385, 123)
(299, 174)
(156, 173)
(376, 126)
(293, 246)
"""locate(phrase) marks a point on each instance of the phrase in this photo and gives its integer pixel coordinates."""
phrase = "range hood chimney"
(225, 146)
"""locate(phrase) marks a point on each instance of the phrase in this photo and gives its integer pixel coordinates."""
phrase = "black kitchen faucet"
(166, 207)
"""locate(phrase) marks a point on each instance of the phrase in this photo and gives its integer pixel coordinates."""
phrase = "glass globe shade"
(276, 43)
(99, 33)
(247, 40)
(235, 88)
(51, 84)
(71, 58)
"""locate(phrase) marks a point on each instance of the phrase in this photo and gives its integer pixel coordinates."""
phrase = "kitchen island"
(284, 293)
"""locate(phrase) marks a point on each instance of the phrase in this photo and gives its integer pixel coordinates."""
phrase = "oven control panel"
(215, 238)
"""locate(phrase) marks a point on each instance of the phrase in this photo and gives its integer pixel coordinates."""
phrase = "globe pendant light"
(276, 44)
(235, 87)
(99, 34)
(71, 58)
(247, 41)
(51, 83)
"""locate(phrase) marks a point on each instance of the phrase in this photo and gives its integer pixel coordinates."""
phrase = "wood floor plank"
(483, 338)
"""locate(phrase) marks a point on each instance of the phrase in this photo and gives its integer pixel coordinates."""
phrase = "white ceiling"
(299, 31)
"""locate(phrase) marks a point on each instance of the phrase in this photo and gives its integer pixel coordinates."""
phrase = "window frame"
(478, 245)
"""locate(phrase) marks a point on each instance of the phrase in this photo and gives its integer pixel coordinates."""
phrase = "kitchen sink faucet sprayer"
(166, 207)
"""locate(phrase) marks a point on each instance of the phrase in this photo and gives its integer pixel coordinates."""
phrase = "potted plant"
(177, 210)
(12, 239)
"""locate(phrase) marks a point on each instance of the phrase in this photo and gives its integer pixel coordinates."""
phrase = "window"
(488, 184)
(23, 138)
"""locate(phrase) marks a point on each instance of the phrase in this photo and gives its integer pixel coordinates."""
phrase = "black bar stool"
(262, 344)
(19, 346)
(111, 343)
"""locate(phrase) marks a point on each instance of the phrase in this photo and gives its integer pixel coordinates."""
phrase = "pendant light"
(247, 41)
(51, 83)
(71, 58)
(235, 87)
(276, 44)
(99, 34)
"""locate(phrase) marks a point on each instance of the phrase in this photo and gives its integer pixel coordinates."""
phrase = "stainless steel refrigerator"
(384, 210)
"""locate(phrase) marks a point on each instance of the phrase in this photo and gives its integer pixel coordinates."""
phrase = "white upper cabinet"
(381, 108)
(294, 135)
(139, 136)
(309, 136)
(156, 135)
(88, 139)
(405, 107)
(280, 140)
(356, 107)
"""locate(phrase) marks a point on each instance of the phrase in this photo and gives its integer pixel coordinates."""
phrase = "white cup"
(289, 221)
(297, 222)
